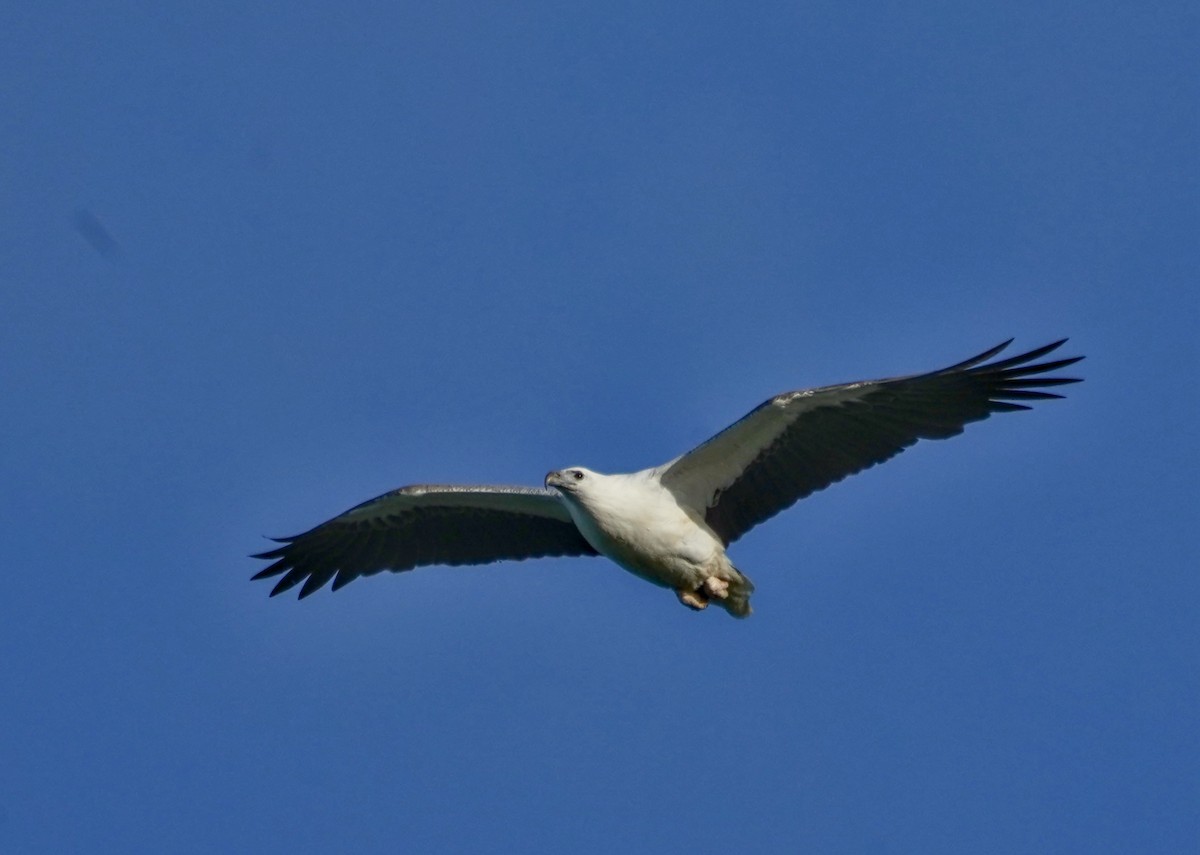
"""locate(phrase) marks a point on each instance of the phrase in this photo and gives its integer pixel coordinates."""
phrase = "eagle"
(670, 524)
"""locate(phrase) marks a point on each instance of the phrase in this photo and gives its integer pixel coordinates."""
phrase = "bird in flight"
(670, 524)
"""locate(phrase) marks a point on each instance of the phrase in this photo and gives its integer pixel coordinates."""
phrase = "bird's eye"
(577, 475)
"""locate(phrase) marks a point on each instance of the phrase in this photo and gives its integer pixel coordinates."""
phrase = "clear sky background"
(260, 262)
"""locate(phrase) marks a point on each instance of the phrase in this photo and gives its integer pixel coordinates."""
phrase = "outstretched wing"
(426, 524)
(800, 442)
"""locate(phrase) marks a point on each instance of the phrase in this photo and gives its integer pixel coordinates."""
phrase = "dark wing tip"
(290, 580)
(277, 552)
(316, 581)
(273, 570)
(979, 357)
(293, 560)
(283, 560)
(1017, 377)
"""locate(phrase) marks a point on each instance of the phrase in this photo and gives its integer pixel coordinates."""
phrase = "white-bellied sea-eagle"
(670, 524)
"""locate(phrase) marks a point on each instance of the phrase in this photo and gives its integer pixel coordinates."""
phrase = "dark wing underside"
(801, 442)
(425, 524)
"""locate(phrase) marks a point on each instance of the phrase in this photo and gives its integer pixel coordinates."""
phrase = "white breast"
(638, 524)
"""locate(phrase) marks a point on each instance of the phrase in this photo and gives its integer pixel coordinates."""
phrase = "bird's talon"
(715, 587)
(692, 599)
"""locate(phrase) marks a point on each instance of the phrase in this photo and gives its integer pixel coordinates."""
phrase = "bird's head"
(570, 481)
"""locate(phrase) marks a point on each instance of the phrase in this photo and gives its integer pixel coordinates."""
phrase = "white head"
(573, 481)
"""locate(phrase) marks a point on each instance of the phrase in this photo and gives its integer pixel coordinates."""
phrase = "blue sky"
(260, 263)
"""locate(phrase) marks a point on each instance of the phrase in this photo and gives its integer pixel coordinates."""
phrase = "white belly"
(647, 533)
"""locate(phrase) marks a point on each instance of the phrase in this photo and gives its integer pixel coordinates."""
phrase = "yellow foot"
(692, 599)
(715, 587)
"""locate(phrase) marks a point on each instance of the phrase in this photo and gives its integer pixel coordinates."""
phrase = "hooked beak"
(553, 478)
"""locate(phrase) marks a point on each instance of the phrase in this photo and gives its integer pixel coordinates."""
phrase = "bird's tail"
(738, 601)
